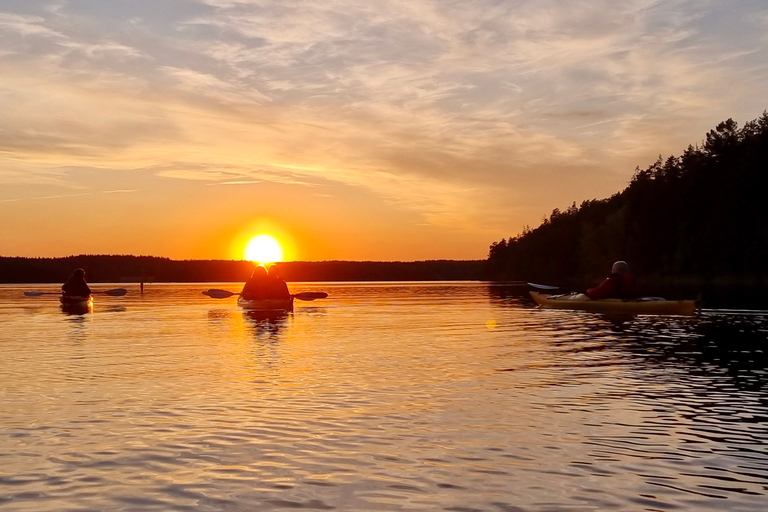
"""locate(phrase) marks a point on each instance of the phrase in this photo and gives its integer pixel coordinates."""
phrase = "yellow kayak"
(641, 306)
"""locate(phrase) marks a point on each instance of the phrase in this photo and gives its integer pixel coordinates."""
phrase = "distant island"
(688, 224)
(135, 269)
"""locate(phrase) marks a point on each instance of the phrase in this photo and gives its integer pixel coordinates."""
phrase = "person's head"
(79, 273)
(259, 271)
(273, 272)
(620, 267)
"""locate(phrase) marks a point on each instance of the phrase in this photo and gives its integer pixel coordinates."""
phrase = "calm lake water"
(384, 396)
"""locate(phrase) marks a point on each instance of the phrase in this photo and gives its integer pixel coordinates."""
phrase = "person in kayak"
(256, 287)
(76, 286)
(277, 288)
(619, 285)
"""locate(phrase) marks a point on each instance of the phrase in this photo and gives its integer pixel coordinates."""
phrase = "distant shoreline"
(136, 269)
(726, 291)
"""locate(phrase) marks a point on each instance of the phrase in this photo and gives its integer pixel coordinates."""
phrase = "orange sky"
(391, 130)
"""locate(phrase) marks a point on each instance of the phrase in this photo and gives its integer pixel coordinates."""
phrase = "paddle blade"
(34, 294)
(543, 286)
(219, 294)
(310, 295)
(115, 292)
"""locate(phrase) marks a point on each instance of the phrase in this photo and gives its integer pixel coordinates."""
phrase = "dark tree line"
(123, 269)
(697, 222)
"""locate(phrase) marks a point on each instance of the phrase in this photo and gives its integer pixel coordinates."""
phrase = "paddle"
(219, 294)
(544, 287)
(115, 292)
(551, 290)
(310, 295)
(223, 294)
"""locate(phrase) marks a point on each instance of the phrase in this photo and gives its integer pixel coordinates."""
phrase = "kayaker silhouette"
(619, 285)
(277, 288)
(256, 287)
(76, 285)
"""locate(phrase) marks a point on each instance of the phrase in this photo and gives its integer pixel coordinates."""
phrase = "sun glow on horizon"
(263, 248)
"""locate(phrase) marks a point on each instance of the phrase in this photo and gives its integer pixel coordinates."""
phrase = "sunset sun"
(263, 249)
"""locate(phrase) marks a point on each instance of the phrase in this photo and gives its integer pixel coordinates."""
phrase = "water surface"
(384, 396)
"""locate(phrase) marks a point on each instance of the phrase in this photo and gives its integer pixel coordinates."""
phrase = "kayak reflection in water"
(619, 285)
(265, 285)
(76, 286)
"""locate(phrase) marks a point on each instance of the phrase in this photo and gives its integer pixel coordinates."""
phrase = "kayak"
(76, 303)
(641, 306)
(266, 304)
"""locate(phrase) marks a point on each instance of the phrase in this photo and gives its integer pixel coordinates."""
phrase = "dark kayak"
(76, 303)
(266, 304)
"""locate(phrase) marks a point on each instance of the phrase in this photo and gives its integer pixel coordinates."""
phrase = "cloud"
(25, 26)
(229, 175)
(208, 85)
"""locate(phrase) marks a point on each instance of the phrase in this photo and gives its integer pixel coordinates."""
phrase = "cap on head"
(619, 267)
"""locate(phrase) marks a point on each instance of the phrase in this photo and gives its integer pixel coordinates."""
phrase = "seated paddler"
(257, 286)
(276, 286)
(76, 286)
(619, 285)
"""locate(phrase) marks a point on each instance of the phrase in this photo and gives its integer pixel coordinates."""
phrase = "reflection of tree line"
(732, 342)
(688, 224)
(116, 269)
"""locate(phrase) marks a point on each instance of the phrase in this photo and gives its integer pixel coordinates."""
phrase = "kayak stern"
(266, 304)
(76, 304)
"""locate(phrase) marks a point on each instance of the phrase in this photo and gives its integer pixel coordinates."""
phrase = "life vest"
(625, 285)
(616, 286)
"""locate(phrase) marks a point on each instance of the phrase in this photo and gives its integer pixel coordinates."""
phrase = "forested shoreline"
(134, 269)
(687, 224)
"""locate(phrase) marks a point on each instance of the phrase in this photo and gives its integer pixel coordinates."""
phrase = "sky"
(394, 130)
